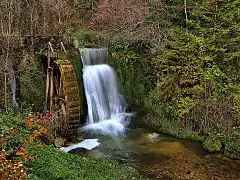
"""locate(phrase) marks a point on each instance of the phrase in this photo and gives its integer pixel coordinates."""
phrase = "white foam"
(114, 126)
(88, 144)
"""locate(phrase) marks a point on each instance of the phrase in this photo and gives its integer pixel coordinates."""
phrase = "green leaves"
(212, 144)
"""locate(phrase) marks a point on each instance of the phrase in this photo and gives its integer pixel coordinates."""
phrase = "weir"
(106, 106)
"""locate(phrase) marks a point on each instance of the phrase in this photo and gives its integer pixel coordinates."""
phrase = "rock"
(59, 142)
(152, 137)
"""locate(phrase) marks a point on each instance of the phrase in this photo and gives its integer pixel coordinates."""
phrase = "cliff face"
(122, 17)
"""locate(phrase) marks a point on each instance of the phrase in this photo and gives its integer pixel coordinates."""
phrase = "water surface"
(162, 157)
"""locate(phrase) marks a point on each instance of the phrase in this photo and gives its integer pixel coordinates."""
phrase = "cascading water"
(106, 106)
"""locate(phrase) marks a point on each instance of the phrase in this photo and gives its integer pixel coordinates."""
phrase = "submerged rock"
(152, 137)
(167, 148)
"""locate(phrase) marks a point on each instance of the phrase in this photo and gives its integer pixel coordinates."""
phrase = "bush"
(212, 144)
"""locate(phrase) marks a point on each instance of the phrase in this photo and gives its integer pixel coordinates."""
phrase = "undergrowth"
(54, 164)
(24, 153)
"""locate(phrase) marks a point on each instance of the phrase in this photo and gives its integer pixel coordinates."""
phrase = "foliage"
(13, 138)
(197, 67)
(16, 134)
(11, 169)
(131, 69)
(54, 164)
(41, 126)
(32, 83)
(20, 147)
(212, 143)
(86, 38)
(232, 145)
(188, 74)
(12, 130)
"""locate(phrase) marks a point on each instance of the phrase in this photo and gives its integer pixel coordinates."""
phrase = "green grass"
(53, 164)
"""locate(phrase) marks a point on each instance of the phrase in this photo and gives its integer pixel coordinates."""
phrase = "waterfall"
(106, 106)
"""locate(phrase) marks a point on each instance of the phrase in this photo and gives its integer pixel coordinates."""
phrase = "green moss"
(133, 70)
(213, 142)
(74, 58)
(54, 164)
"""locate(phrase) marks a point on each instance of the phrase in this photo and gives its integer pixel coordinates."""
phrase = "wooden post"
(51, 89)
(49, 80)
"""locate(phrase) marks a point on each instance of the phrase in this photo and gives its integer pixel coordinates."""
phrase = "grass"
(50, 163)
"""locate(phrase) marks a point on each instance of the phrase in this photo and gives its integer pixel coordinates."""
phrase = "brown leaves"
(22, 152)
(10, 169)
(38, 125)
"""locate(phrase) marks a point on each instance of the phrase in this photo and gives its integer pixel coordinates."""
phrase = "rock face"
(120, 16)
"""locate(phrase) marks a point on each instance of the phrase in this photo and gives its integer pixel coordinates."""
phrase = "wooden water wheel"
(62, 95)
(65, 97)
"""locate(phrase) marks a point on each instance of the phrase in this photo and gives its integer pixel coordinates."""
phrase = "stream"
(158, 156)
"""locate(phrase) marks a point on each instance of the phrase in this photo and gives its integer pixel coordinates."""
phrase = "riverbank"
(23, 154)
(51, 163)
(229, 145)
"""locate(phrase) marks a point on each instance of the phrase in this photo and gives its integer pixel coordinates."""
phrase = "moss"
(54, 164)
(74, 57)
